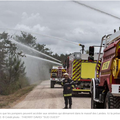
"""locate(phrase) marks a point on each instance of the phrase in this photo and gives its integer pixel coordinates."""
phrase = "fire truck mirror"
(64, 64)
(91, 50)
(67, 62)
(67, 65)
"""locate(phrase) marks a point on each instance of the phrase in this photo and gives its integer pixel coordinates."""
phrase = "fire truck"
(105, 86)
(81, 69)
(56, 75)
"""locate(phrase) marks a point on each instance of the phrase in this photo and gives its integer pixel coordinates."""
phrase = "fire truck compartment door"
(88, 70)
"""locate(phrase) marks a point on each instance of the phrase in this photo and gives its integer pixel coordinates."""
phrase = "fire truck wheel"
(52, 84)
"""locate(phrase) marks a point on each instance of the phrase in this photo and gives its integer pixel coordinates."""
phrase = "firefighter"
(68, 84)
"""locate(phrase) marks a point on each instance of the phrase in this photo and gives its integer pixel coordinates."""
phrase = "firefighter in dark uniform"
(68, 85)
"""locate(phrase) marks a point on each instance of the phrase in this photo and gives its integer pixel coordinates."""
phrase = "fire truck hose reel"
(116, 68)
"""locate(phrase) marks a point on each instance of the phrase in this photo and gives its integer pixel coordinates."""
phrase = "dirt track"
(44, 97)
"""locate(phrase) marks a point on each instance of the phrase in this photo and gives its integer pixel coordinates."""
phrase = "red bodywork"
(106, 76)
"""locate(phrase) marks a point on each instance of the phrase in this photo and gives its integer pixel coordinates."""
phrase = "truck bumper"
(116, 89)
(57, 82)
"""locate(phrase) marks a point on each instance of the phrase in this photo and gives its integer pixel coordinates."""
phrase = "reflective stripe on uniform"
(66, 95)
(85, 90)
(73, 86)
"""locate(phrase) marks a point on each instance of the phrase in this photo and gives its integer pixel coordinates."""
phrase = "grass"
(7, 100)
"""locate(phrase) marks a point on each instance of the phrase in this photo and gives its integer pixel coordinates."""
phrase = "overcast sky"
(67, 20)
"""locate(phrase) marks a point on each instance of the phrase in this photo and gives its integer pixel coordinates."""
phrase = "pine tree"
(11, 66)
(27, 39)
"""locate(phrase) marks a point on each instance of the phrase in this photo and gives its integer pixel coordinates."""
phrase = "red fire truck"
(105, 87)
(57, 74)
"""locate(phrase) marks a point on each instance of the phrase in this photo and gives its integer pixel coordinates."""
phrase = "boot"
(70, 107)
(65, 107)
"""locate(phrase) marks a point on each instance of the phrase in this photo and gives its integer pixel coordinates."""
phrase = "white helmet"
(66, 74)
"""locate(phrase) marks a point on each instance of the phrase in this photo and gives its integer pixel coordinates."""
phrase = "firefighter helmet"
(66, 74)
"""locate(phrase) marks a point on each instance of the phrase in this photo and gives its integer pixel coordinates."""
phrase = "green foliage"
(27, 39)
(43, 49)
(11, 67)
(7, 100)
(40, 47)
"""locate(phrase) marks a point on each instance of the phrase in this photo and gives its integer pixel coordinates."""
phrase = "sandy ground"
(44, 97)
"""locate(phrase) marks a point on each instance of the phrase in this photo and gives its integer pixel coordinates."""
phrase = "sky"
(65, 20)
